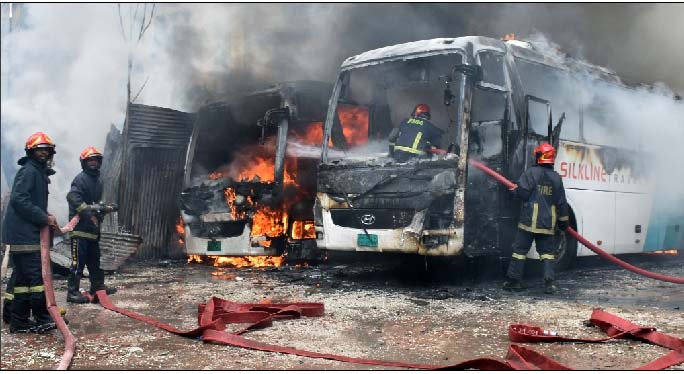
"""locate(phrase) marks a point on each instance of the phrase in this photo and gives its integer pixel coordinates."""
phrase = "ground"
(378, 308)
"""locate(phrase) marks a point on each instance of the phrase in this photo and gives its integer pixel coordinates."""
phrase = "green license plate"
(214, 246)
(367, 240)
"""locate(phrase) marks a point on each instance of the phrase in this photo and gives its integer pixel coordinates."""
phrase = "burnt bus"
(250, 172)
(495, 100)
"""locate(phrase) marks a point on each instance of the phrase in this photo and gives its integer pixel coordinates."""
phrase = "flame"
(508, 37)
(269, 222)
(303, 230)
(354, 120)
(248, 261)
(238, 262)
(180, 229)
(665, 252)
(216, 175)
(195, 258)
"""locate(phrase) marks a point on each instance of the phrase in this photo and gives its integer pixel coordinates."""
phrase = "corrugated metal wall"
(155, 142)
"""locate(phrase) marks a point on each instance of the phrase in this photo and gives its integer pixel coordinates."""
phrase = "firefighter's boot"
(549, 288)
(549, 276)
(7, 308)
(97, 284)
(21, 312)
(40, 312)
(515, 274)
(73, 293)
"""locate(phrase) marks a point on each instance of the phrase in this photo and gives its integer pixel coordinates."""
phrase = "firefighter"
(83, 199)
(26, 216)
(416, 135)
(544, 210)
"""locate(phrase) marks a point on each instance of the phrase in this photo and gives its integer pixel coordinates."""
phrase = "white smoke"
(65, 72)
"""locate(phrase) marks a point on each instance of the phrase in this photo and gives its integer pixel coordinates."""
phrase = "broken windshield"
(375, 99)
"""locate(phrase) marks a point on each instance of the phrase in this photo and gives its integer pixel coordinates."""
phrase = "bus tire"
(567, 253)
(567, 248)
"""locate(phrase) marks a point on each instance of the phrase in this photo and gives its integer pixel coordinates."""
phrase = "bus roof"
(420, 48)
(438, 46)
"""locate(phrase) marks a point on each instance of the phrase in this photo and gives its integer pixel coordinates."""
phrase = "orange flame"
(354, 121)
(303, 230)
(508, 37)
(239, 262)
(269, 222)
(215, 175)
(248, 261)
(180, 229)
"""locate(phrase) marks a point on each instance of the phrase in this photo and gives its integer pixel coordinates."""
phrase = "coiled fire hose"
(69, 341)
(583, 240)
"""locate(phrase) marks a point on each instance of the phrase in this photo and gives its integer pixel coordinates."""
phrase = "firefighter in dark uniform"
(83, 199)
(544, 209)
(26, 216)
(416, 135)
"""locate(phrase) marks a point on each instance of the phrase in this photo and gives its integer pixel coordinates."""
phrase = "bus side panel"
(665, 231)
(632, 220)
(595, 214)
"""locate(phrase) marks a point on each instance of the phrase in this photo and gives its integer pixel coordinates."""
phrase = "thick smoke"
(64, 66)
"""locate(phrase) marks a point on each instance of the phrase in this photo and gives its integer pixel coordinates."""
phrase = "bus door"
(486, 144)
(539, 127)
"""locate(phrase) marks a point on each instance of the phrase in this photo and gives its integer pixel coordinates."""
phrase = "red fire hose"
(69, 340)
(215, 315)
(583, 240)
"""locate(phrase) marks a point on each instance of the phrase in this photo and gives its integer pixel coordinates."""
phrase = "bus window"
(557, 86)
(487, 118)
(538, 120)
(492, 67)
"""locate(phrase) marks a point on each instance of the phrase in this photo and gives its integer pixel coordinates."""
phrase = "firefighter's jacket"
(27, 207)
(544, 205)
(416, 135)
(86, 189)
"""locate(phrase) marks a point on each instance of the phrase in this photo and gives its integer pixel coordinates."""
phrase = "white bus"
(495, 100)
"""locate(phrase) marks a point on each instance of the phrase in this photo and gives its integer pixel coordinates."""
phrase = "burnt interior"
(232, 133)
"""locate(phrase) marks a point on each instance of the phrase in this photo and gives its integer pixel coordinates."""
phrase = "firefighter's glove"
(562, 225)
(94, 207)
(109, 208)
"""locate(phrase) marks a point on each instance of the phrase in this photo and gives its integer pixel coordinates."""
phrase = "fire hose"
(214, 315)
(603, 254)
(69, 341)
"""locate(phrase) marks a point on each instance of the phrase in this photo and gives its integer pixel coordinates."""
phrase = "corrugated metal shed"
(155, 142)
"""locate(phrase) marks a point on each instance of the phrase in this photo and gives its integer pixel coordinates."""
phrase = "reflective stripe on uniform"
(9, 296)
(518, 256)
(547, 257)
(82, 234)
(408, 149)
(15, 248)
(24, 289)
(535, 214)
(81, 207)
(416, 141)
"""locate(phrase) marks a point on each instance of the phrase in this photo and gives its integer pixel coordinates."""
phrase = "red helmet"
(545, 154)
(39, 140)
(422, 109)
(90, 152)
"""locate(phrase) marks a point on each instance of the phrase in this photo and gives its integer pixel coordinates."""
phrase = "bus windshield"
(375, 99)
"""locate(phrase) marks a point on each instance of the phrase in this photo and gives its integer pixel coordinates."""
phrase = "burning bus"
(250, 173)
(495, 100)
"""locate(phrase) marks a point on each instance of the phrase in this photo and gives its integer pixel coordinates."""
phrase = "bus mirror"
(472, 71)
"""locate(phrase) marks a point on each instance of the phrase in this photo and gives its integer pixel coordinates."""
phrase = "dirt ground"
(375, 307)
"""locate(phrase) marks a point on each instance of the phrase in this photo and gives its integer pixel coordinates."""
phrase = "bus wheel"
(567, 252)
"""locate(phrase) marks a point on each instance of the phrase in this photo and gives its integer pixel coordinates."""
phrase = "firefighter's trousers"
(546, 247)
